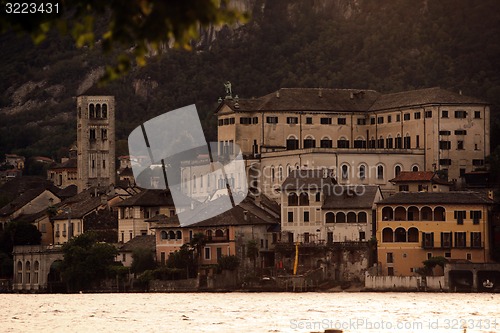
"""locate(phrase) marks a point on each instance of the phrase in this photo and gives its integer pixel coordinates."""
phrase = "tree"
(143, 26)
(229, 263)
(183, 259)
(86, 262)
(142, 260)
(19, 233)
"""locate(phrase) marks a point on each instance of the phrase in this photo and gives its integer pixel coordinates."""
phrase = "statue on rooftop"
(229, 92)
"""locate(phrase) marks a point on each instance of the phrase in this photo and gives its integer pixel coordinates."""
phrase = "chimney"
(320, 93)
(245, 215)
(460, 92)
(278, 94)
(351, 95)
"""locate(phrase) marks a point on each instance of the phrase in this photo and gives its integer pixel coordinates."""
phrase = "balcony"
(219, 239)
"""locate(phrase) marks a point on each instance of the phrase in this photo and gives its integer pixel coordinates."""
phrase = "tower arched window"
(91, 111)
(105, 110)
(98, 111)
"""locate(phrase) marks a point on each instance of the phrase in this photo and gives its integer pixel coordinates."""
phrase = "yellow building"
(364, 136)
(413, 227)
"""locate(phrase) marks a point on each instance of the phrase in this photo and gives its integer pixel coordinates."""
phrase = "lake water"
(251, 312)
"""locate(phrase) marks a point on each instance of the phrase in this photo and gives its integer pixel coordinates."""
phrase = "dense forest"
(386, 45)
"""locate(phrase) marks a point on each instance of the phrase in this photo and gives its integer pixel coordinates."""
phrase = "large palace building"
(362, 136)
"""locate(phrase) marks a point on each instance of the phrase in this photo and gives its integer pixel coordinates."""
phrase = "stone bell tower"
(95, 141)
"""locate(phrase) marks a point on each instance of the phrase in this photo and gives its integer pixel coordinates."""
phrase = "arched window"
(340, 217)
(19, 272)
(387, 235)
(389, 142)
(194, 181)
(387, 214)
(439, 214)
(362, 172)
(380, 172)
(36, 268)
(407, 141)
(272, 174)
(330, 217)
(426, 213)
(209, 234)
(179, 234)
(342, 142)
(360, 142)
(91, 111)
(98, 111)
(362, 217)
(397, 170)
(164, 235)
(399, 143)
(293, 200)
(288, 170)
(309, 142)
(171, 234)
(381, 142)
(219, 233)
(413, 214)
(318, 196)
(400, 214)
(414, 168)
(105, 110)
(351, 217)
(372, 143)
(304, 199)
(292, 143)
(345, 172)
(326, 142)
(413, 235)
(280, 173)
(28, 272)
(400, 235)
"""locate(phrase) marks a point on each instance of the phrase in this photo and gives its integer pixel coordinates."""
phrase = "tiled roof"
(306, 179)
(245, 213)
(309, 99)
(452, 197)
(80, 204)
(413, 176)
(68, 192)
(354, 197)
(69, 164)
(422, 97)
(30, 218)
(149, 198)
(147, 242)
(344, 100)
(126, 172)
(21, 201)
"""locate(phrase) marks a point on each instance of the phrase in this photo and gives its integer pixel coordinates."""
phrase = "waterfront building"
(415, 226)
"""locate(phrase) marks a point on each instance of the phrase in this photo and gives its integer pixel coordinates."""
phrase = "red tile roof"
(414, 176)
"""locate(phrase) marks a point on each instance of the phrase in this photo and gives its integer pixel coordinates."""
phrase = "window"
(92, 135)
(292, 143)
(359, 143)
(329, 237)
(406, 116)
(226, 121)
(477, 114)
(255, 120)
(380, 120)
(221, 122)
(380, 143)
(104, 134)
(293, 199)
(417, 139)
(389, 143)
(461, 132)
(444, 114)
(362, 217)
(404, 188)
(416, 115)
(399, 142)
(362, 172)
(460, 144)
(428, 114)
(292, 120)
(380, 172)
(306, 237)
(309, 120)
(389, 257)
(459, 215)
(444, 145)
(390, 271)
(345, 172)
(306, 216)
(460, 239)
(477, 162)
(475, 216)
(475, 239)
(361, 121)
(219, 253)
(326, 143)
(444, 132)
(245, 120)
(446, 240)
(460, 114)
(272, 120)
(445, 161)
(398, 118)
(407, 142)
(397, 170)
(309, 142)
(231, 121)
(290, 216)
(427, 240)
(341, 121)
(318, 196)
(304, 199)
(330, 217)
(326, 121)
(207, 253)
(342, 143)
(340, 217)
(389, 119)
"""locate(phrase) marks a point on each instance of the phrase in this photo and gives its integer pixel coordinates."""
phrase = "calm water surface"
(251, 312)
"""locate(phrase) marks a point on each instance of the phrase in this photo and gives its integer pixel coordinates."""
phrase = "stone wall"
(428, 283)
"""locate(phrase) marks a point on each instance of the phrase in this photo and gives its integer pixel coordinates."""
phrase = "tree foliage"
(142, 260)
(18, 233)
(142, 26)
(229, 263)
(86, 262)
